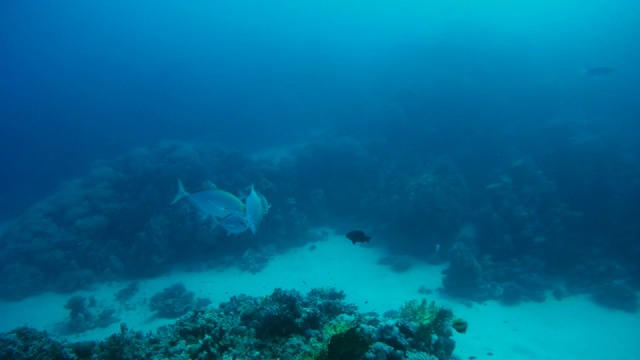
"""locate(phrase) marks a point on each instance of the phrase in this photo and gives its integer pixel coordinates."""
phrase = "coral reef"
(82, 318)
(427, 206)
(117, 223)
(464, 276)
(283, 325)
(175, 301)
(125, 294)
(254, 260)
(349, 344)
(617, 296)
(28, 343)
(525, 222)
(430, 325)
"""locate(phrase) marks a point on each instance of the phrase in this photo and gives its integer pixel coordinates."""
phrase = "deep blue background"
(85, 80)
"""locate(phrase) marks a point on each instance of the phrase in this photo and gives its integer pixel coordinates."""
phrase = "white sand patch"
(571, 329)
(574, 328)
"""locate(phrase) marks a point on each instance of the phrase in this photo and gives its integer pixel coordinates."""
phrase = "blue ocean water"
(502, 134)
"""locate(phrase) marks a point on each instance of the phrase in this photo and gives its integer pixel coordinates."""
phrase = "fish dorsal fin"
(208, 185)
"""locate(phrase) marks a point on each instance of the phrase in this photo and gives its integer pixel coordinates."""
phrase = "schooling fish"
(357, 236)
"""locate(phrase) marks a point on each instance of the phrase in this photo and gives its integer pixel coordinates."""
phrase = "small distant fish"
(598, 71)
(357, 236)
(494, 186)
(312, 247)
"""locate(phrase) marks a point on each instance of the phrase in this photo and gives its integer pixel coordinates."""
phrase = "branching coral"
(421, 312)
(428, 323)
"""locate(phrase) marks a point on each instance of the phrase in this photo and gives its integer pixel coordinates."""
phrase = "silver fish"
(214, 202)
(234, 224)
(256, 207)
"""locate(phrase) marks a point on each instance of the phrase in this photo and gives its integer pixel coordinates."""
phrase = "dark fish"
(357, 236)
(460, 325)
(599, 71)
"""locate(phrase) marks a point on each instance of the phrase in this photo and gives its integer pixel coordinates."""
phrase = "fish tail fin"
(265, 204)
(181, 193)
(215, 221)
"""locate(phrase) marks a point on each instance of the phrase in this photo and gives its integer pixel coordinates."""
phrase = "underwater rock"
(617, 296)
(81, 318)
(352, 344)
(254, 260)
(463, 278)
(125, 294)
(358, 236)
(559, 293)
(175, 301)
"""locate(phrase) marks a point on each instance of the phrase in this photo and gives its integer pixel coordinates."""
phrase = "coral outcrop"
(283, 325)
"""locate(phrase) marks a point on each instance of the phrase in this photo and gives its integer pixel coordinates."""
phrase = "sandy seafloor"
(573, 328)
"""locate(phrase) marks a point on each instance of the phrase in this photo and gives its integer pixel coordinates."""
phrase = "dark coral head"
(460, 325)
(357, 236)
